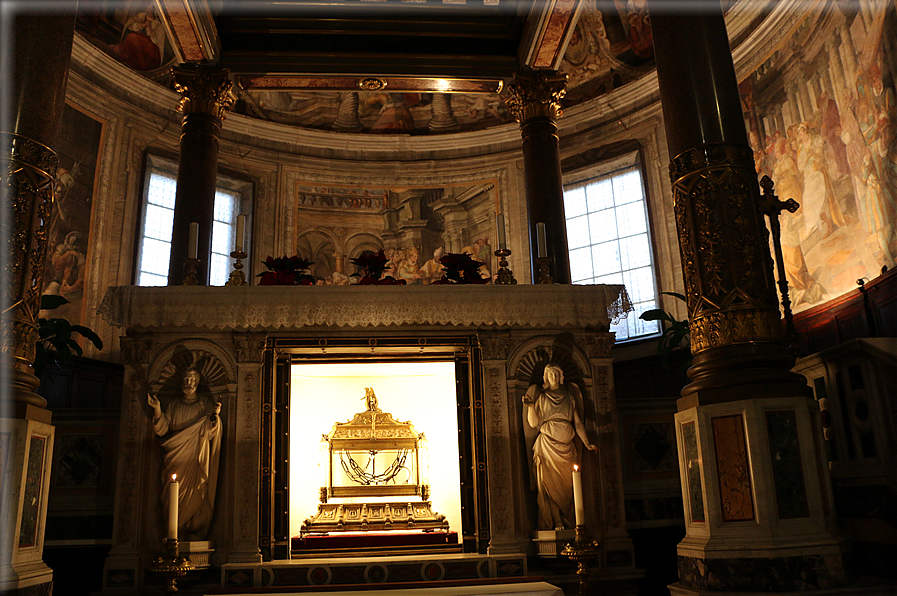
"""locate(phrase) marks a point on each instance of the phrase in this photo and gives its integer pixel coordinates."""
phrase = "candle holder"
(504, 275)
(190, 266)
(544, 277)
(237, 277)
(581, 552)
(171, 566)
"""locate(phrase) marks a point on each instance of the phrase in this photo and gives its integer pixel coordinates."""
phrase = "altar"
(454, 361)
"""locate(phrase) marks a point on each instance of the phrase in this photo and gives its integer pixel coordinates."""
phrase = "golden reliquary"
(376, 470)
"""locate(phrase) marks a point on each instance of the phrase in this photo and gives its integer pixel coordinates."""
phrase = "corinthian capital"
(203, 90)
(536, 93)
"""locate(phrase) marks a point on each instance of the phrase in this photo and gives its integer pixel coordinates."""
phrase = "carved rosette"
(536, 93)
(29, 173)
(203, 90)
(724, 245)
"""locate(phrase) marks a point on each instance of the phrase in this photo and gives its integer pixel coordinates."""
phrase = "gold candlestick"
(237, 277)
(544, 276)
(190, 266)
(171, 565)
(504, 275)
(581, 552)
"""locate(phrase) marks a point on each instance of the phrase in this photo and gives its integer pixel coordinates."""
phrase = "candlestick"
(578, 504)
(241, 224)
(173, 490)
(237, 277)
(502, 240)
(541, 243)
(504, 275)
(193, 243)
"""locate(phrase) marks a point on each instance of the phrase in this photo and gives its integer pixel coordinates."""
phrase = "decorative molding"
(203, 90)
(136, 348)
(289, 307)
(494, 345)
(249, 347)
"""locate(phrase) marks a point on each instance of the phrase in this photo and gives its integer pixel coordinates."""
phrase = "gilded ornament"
(536, 93)
(371, 84)
(203, 90)
(726, 263)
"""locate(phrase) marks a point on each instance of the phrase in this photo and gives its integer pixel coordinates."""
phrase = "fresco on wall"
(131, 32)
(825, 135)
(414, 227)
(610, 47)
(373, 112)
(78, 148)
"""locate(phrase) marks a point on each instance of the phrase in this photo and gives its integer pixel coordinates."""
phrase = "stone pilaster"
(122, 568)
(535, 101)
(243, 468)
(206, 96)
(501, 432)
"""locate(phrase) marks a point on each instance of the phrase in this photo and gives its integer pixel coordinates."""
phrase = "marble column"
(41, 49)
(755, 488)
(534, 100)
(206, 95)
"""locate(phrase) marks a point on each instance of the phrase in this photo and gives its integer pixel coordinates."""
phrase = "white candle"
(502, 241)
(578, 505)
(541, 245)
(173, 507)
(241, 223)
(193, 243)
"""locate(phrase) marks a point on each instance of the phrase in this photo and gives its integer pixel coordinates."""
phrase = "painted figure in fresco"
(191, 440)
(142, 42)
(551, 408)
(432, 269)
(407, 269)
(395, 116)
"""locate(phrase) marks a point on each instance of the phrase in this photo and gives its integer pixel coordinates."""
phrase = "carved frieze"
(494, 345)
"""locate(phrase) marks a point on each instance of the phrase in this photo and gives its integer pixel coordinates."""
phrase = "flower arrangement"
(373, 265)
(286, 271)
(460, 268)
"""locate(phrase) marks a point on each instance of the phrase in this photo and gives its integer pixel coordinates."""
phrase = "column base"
(795, 573)
(33, 579)
(550, 543)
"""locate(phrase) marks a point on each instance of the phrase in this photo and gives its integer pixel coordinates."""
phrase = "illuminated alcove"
(422, 393)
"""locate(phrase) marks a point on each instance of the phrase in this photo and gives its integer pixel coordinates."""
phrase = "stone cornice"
(279, 308)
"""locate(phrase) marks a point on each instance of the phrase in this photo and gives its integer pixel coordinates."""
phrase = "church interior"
(672, 368)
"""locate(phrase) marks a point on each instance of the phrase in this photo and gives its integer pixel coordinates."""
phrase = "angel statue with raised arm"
(552, 409)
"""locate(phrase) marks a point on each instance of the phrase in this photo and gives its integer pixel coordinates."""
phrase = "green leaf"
(656, 314)
(675, 295)
(51, 301)
(88, 334)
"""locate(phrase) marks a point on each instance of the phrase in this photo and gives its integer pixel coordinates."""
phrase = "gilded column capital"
(536, 93)
(203, 90)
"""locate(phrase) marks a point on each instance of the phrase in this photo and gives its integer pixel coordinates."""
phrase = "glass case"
(373, 461)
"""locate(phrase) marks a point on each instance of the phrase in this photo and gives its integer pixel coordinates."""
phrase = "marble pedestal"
(26, 449)
(550, 543)
(758, 501)
(198, 551)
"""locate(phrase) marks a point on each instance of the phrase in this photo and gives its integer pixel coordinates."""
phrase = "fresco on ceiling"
(376, 112)
(131, 32)
(65, 266)
(825, 134)
(414, 227)
(608, 48)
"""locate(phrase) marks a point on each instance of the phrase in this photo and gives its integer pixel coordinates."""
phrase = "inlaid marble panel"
(733, 469)
(693, 471)
(787, 473)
